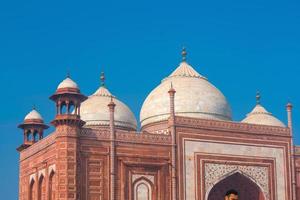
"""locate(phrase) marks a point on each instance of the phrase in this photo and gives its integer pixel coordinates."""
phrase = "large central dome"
(195, 97)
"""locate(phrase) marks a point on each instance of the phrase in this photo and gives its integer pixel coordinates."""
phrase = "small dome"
(261, 116)
(33, 115)
(94, 111)
(195, 97)
(68, 83)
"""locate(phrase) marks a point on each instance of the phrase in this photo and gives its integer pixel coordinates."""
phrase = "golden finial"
(102, 78)
(183, 54)
(258, 97)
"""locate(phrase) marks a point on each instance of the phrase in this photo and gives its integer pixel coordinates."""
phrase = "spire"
(68, 74)
(171, 90)
(102, 78)
(258, 97)
(183, 54)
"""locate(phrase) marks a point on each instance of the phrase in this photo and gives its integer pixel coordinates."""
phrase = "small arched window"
(32, 191)
(63, 108)
(36, 136)
(71, 108)
(29, 136)
(142, 189)
(42, 189)
(52, 182)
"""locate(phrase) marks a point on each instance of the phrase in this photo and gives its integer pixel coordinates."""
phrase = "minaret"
(111, 107)
(33, 129)
(68, 125)
(174, 145)
(289, 108)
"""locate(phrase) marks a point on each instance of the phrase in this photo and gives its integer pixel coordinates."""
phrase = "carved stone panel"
(215, 172)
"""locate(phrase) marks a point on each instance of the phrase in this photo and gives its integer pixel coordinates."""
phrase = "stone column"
(173, 135)
(289, 108)
(111, 106)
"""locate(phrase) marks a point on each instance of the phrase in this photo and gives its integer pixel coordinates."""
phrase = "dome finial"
(68, 73)
(258, 97)
(183, 54)
(102, 78)
(33, 107)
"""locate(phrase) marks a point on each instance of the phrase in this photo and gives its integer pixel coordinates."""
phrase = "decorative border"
(231, 164)
(230, 126)
(281, 144)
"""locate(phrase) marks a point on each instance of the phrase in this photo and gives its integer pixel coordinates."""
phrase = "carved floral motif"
(216, 172)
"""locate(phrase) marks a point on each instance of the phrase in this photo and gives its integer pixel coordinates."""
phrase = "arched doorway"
(247, 189)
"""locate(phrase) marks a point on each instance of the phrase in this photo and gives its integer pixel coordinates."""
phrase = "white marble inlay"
(137, 176)
(192, 147)
(216, 172)
(51, 168)
(32, 177)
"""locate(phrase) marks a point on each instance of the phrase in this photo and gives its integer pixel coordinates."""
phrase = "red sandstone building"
(188, 147)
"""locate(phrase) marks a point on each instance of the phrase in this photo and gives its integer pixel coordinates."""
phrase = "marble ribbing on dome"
(185, 70)
(94, 111)
(259, 115)
(68, 83)
(102, 91)
(195, 97)
(33, 115)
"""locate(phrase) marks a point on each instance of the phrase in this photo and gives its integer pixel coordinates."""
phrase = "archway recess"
(247, 189)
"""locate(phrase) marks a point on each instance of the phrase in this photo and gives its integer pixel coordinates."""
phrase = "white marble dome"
(259, 115)
(68, 83)
(33, 115)
(94, 110)
(195, 97)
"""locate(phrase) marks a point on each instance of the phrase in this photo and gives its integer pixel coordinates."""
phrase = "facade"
(188, 147)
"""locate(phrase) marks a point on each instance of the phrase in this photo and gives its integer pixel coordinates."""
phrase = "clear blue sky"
(241, 46)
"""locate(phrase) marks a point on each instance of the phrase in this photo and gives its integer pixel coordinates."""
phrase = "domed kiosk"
(195, 97)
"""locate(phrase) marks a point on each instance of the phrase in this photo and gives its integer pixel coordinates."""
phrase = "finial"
(111, 104)
(183, 54)
(33, 107)
(171, 90)
(68, 74)
(258, 97)
(289, 105)
(102, 78)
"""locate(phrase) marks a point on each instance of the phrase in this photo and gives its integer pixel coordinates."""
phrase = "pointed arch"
(42, 188)
(247, 187)
(32, 190)
(51, 185)
(63, 108)
(142, 189)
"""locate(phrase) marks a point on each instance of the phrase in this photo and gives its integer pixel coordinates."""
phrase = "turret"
(33, 128)
(68, 100)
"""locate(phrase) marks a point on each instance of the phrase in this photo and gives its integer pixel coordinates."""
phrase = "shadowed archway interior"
(247, 189)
